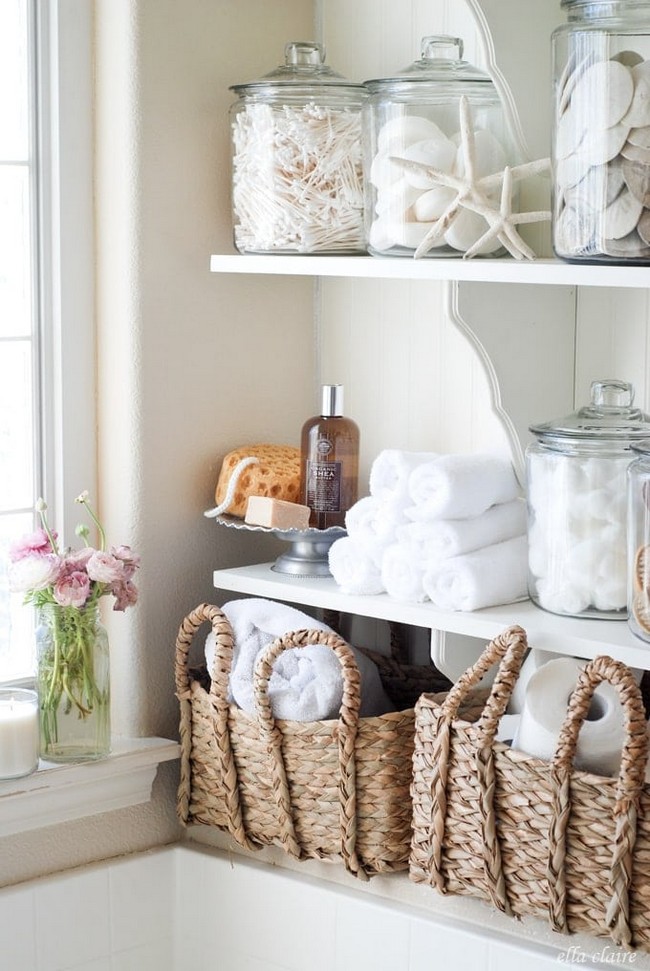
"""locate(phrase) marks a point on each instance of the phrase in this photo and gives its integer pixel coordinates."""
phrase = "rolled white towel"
(372, 523)
(390, 471)
(354, 568)
(484, 578)
(458, 486)
(442, 538)
(402, 574)
(305, 685)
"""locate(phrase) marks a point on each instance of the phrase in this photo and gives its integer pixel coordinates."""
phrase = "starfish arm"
(438, 229)
(530, 217)
(437, 176)
(511, 233)
(488, 236)
(526, 170)
(467, 143)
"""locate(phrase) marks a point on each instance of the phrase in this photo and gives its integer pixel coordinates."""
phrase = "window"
(46, 284)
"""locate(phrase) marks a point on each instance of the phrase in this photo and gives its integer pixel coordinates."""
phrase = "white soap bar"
(276, 513)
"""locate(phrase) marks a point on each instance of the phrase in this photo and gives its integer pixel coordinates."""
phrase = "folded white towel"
(402, 574)
(305, 685)
(372, 522)
(389, 473)
(442, 538)
(458, 486)
(355, 569)
(484, 578)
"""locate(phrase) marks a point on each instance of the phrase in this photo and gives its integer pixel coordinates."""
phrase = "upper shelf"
(562, 635)
(506, 270)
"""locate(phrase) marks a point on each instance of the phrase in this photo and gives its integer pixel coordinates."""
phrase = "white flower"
(83, 496)
(34, 572)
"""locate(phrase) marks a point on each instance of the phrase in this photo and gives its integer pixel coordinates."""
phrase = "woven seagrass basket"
(333, 790)
(535, 838)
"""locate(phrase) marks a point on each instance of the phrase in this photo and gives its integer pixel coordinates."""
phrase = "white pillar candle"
(19, 738)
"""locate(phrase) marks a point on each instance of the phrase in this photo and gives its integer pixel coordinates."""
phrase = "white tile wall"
(180, 909)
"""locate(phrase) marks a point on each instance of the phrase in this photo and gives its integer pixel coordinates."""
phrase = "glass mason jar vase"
(73, 678)
(415, 116)
(601, 132)
(297, 166)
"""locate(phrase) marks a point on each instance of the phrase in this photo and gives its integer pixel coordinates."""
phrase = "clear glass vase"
(73, 682)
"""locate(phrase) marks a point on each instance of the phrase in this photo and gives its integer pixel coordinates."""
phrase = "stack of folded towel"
(446, 528)
(307, 682)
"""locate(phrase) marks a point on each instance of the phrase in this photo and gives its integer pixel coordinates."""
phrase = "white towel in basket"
(306, 683)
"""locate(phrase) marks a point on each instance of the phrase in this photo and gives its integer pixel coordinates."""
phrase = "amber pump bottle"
(329, 480)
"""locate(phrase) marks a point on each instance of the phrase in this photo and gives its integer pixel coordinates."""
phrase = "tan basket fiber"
(533, 837)
(335, 790)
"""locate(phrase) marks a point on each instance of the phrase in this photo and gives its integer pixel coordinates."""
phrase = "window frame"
(65, 256)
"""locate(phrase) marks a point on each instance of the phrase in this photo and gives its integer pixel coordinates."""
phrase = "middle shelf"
(550, 632)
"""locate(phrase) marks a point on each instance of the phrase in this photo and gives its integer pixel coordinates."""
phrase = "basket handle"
(628, 793)
(347, 731)
(219, 698)
(508, 651)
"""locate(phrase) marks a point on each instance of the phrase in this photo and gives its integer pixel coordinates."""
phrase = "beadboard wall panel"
(613, 341)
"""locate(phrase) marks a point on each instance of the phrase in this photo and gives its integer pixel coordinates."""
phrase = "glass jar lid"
(609, 417)
(304, 67)
(441, 61)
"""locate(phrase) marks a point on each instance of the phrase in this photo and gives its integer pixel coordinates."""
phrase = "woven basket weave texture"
(334, 790)
(534, 838)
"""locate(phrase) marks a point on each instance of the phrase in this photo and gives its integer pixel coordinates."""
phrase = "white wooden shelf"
(563, 635)
(506, 270)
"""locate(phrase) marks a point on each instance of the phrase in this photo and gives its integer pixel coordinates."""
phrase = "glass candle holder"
(19, 736)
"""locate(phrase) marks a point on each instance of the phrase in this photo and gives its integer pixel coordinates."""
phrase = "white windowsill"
(57, 793)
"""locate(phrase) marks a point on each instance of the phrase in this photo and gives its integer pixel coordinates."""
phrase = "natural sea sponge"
(276, 473)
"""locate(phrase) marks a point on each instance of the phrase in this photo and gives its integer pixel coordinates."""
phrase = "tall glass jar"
(601, 132)
(638, 545)
(415, 115)
(73, 678)
(577, 504)
(297, 167)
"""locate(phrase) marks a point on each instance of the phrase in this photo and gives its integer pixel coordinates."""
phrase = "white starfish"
(474, 194)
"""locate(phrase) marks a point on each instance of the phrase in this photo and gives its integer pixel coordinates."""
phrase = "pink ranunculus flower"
(72, 589)
(77, 559)
(125, 593)
(105, 568)
(36, 542)
(34, 572)
(129, 559)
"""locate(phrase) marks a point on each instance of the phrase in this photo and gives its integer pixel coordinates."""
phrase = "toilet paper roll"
(545, 706)
(508, 725)
(534, 660)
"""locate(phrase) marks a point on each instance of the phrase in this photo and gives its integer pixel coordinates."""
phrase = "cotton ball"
(380, 236)
(437, 152)
(411, 234)
(395, 200)
(489, 156)
(399, 133)
(564, 599)
(384, 172)
(432, 204)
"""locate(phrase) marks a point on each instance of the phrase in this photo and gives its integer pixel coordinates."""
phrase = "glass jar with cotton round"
(576, 488)
(416, 116)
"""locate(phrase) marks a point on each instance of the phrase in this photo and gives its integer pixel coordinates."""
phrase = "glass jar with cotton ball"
(576, 489)
(443, 113)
